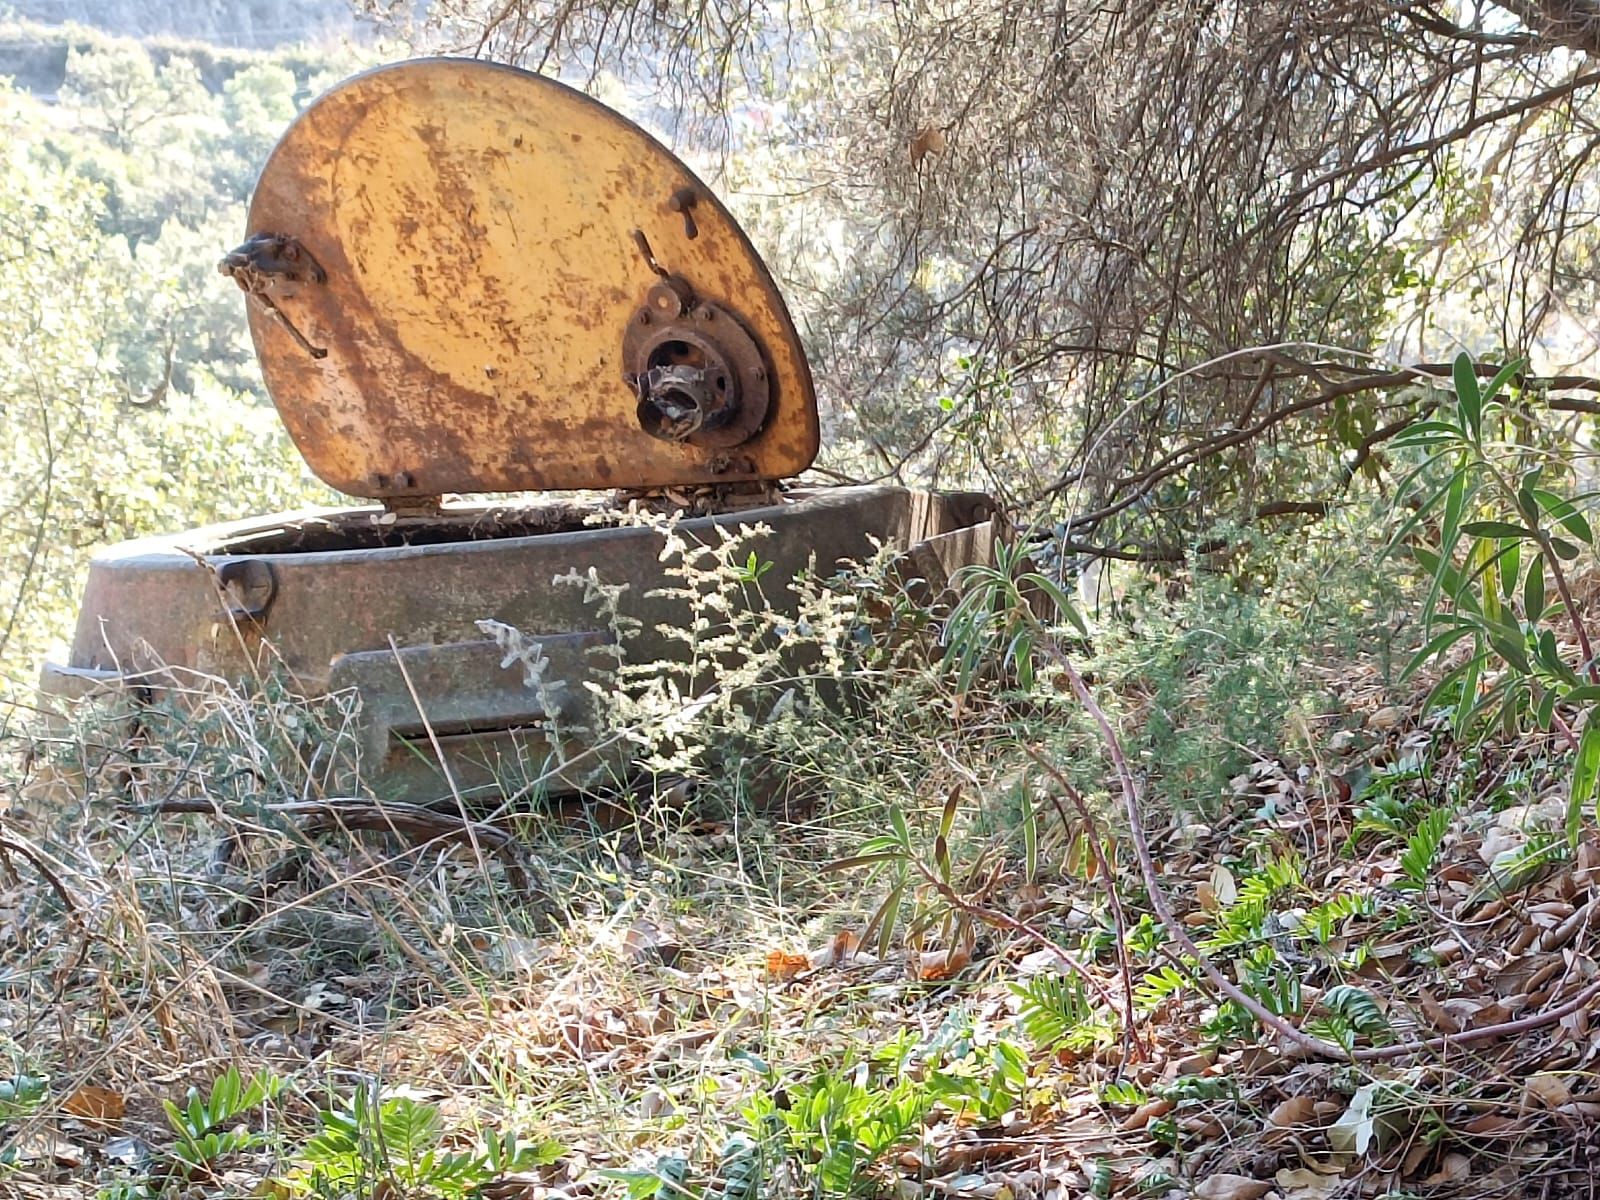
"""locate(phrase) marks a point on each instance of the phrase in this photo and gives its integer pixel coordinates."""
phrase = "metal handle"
(251, 581)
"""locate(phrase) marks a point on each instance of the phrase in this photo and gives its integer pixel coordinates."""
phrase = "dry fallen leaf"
(1223, 886)
(645, 942)
(96, 1105)
(929, 140)
(1232, 1187)
(942, 964)
(1453, 1169)
(783, 965)
(1545, 1090)
(841, 947)
(1491, 1125)
(1386, 718)
(1303, 1183)
(1438, 1015)
(1145, 1113)
(1297, 1110)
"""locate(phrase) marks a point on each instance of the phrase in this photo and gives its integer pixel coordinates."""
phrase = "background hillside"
(246, 24)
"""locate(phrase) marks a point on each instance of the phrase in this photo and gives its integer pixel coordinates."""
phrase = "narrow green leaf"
(858, 860)
(1511, 649)
(1468, 700)
(1568, 516)
(1545, 712)
(1494, 529)
(1547, 652)
(1510, 569)
(947, 819)
(1402, 535)
(1455, 503)
(1435, 647)
(902, 831)
(1058, 597)
(1468, 397)
(1533, 589)
(1585, 773)
(1446, 578)
(1447, 681)
(1030, 837)
(1503, 376)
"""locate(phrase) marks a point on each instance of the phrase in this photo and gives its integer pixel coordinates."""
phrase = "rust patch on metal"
(476, 227)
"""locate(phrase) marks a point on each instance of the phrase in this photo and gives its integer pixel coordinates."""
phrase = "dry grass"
(689, 970)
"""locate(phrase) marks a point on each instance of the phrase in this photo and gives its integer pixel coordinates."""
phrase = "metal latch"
(261, 262)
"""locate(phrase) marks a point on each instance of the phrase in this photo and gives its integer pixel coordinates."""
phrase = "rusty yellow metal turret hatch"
(468, 278)
(465, 279)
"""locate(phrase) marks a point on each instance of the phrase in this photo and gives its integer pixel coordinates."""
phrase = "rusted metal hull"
(399, 623)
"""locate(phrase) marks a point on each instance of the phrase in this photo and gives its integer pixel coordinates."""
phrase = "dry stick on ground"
(1175, 929)
(1124, 963)
(10, 845)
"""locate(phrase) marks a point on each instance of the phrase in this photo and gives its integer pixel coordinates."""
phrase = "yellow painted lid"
(468, 278)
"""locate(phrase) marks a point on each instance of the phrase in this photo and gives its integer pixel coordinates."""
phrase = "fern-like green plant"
(1156, 988)
(1326, 920)
(839, 1128)
(1349, 1013)
(1244, 921)
(1057, 1012)
(199, 1124)
(398, 1140)
(1422, 849)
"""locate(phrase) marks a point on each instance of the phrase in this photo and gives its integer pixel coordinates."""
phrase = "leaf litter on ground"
(1407, 887)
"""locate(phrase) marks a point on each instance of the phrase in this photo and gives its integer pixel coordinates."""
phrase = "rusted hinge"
(413, 508)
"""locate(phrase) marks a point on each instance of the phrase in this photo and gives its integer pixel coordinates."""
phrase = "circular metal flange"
(699, 375)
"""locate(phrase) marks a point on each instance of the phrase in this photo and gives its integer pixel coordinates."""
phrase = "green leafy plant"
(839, 1125)
(666, 1176)
(200, 1123)
(1349, 1013)
(987, 1081)
(21, 1096)
(1159, 986)
(993, 624)
(1245, 920)
(1422, 849)
(1390, 800)
(753, 568)
(1271, 982)
(1326, 920)
(398, 1142)
(208, 1127)
(1498, 541)
(1056, 1012)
